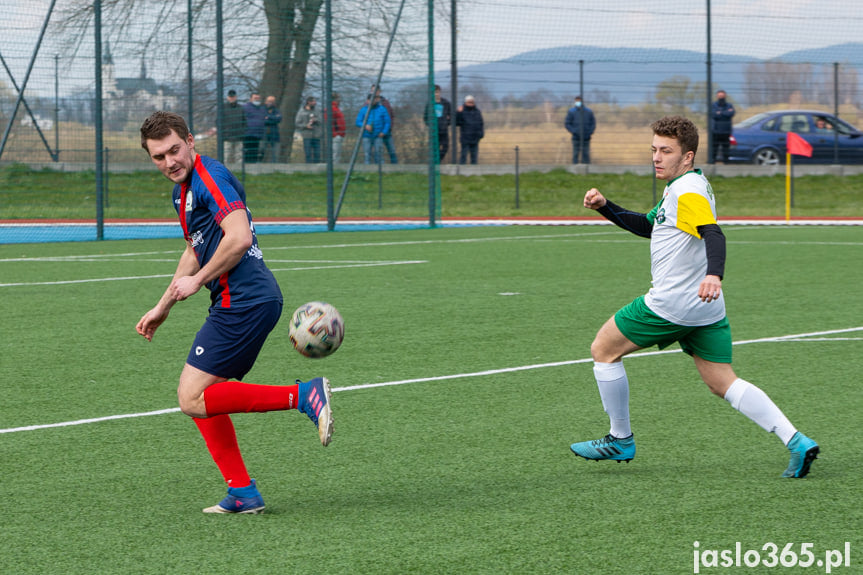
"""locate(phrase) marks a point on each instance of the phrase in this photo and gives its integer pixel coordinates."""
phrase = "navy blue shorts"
(229, 342)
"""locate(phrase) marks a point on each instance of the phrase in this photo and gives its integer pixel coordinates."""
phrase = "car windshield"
(842, 127)
(753, 120)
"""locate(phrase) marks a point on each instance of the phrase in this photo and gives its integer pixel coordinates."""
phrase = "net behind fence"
(522, 62)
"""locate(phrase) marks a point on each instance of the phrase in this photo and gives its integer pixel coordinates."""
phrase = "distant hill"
(623, 75)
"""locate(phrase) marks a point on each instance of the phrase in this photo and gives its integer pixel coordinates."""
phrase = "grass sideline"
(45, 194)
(470, 474)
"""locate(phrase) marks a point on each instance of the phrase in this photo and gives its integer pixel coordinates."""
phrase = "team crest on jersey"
(660, 216)
(189, 201)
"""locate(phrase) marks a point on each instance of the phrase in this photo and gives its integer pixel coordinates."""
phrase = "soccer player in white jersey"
(685, 304)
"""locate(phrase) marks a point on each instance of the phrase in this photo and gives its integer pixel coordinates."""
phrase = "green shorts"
(645, 329)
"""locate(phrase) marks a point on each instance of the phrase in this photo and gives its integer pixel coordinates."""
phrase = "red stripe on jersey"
(184, 189)
(226, 290)
(213, 188)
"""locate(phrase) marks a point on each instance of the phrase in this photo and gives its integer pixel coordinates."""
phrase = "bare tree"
(275, 47)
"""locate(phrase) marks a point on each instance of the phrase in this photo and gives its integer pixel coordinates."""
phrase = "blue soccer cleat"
(609, 447)
(803, 452)
(244, 500)
(315, 397)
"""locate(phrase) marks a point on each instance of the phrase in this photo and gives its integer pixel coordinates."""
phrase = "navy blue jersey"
(202, 202)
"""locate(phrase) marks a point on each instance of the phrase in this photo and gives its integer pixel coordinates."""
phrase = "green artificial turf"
(462, 465)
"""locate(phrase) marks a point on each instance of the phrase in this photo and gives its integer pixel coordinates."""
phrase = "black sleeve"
(634, 222)
(714, 243)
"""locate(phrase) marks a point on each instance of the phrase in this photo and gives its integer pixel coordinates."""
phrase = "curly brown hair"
(160, 125)
(679, 128)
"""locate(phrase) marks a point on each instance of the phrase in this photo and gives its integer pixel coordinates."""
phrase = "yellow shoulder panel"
(693, 210)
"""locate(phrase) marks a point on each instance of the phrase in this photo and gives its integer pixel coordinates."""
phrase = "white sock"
(749, 400)
(614, 392)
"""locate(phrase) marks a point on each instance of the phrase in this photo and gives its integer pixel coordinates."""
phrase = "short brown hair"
(160, 125)
(679, 128)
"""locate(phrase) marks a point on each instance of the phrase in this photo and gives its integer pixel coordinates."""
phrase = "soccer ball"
(317, 329)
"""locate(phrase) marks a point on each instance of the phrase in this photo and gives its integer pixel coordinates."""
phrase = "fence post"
(516, 178)
(380, 158)
(106, 178)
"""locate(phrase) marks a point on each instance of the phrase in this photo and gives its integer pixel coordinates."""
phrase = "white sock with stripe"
(749, 400)
(614, 391)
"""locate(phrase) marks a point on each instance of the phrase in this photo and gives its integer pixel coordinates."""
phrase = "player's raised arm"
(634, 222)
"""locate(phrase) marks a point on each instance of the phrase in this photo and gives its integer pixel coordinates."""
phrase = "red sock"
(221, 440)
(239, 397)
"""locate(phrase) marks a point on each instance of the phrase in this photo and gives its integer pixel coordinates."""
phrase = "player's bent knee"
(603, 352)
(192, 406)
(596, 351)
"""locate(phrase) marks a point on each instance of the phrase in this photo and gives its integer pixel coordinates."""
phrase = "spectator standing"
(339, 127)
(234, 122)
(723, 111)
(388, 137)
(443, 113)
(376, 126)
(311, 128)
(581, 123)
(273, 142)
(469, 119)
(256, 117)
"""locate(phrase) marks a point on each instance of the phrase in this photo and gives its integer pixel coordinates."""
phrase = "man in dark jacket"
(443, 112)
(469, 119)
(723, 111)
(581, 123)
(234, 127)
(273, 143)
(256, 127)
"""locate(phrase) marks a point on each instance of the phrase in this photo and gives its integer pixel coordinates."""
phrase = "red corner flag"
(798, 146)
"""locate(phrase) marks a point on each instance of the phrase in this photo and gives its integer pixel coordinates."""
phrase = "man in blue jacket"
(723, 111)
(581, 123)
(375, 128)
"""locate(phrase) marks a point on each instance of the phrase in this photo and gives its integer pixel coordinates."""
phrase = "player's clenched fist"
(593, 200)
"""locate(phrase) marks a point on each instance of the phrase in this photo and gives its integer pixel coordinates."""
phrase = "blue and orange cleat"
(315, 397)
(243, 500)
(609, 447)
(803, 452)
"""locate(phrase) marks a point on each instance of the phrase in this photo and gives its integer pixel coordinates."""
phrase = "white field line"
(110, 257)
(781, 338)
(295, 269)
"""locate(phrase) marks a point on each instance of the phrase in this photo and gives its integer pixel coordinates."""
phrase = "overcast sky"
(490, 30)
(495, 29)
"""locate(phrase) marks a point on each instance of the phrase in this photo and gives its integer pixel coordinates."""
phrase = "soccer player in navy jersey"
(222, 254)
(685, 304)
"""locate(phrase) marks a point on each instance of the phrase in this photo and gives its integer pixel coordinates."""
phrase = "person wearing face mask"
(723, 111)
(469, 120)
(581, 123)
(256, 122)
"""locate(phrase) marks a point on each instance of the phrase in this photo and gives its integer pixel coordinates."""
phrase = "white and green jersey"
(678, 258)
